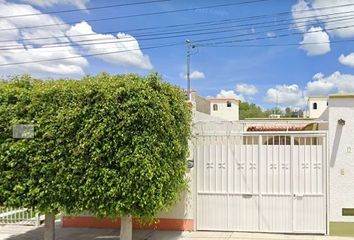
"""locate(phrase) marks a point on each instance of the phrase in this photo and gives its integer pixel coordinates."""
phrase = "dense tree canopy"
(112, 145)
(251, 110)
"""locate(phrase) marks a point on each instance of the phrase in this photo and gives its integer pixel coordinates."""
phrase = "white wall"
(341, 158)
(321, 106)
(224, 112)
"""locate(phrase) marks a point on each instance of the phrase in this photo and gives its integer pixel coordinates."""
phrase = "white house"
(265, 175)
(316, 106)
(225, 108)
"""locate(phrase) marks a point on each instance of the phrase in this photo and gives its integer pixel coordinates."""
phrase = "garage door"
(261, 182)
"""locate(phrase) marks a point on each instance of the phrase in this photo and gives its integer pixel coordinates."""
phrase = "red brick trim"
(93, 222)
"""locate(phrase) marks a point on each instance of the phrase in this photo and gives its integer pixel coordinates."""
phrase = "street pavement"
(13, 232)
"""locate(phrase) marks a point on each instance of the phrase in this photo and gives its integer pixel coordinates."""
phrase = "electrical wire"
(139, 15)
(101, 41)
(88, 55)
(263, 38)
(199, 43)
(276, 44)
(122, 40)
(83, 9)
(151, 47)
(205, 23)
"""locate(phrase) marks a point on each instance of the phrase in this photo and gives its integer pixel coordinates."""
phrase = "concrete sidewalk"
(36, 233)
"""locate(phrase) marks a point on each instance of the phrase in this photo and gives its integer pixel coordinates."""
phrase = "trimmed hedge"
(111, 145)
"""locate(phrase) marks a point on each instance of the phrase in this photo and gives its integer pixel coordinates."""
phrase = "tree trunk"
(49, 226)
(126, 228)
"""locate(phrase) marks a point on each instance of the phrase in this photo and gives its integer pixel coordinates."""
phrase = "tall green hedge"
(112, 145)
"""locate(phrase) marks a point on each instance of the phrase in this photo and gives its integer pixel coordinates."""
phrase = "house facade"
(264, 175)
(225, 108)
(316, 106)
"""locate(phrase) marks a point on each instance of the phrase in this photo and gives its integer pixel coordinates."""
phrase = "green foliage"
(291, 113)
(111, 145)
(251, 110)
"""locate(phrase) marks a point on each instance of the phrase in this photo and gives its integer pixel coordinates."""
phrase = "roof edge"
(224, 99)
(318, 97)
(340, 95)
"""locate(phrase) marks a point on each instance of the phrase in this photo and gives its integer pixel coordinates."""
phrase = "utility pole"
(276, 104)
(189, 46)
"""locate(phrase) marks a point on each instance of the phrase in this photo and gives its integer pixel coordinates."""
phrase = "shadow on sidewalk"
(90, 234)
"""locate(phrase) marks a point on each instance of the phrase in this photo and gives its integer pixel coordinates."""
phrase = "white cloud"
(242, 92)
(329, 7)
(51, 3)
(347, 60)
(229, 94)
(246, 89)
(194, 75)
(70, 63)
(271, 34)
(33, 50)
(197, 75)
(318, 76)
(315, 42)
(285, 95)
(127, 47)
(324, 11)
(336, 82)
(334, 17)
(301, 10)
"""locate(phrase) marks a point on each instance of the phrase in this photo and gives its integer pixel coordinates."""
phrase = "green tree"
(111, 145)
(288, 112)
(251, 110)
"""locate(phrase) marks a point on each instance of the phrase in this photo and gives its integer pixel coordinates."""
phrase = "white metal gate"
(263, 182)
(19, 216)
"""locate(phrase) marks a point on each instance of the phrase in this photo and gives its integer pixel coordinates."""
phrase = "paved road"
(33, 233)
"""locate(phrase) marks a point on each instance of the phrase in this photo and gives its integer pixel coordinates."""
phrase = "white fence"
(19, 216)
(261, 181)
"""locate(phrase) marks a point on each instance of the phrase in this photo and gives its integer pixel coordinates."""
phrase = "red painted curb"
(161, 224)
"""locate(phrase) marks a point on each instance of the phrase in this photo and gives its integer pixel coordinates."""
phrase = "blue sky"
(261, 74)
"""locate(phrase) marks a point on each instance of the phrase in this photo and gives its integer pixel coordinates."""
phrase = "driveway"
(36, 233)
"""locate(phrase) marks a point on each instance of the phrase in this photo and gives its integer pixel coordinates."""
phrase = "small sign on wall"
(347, 211)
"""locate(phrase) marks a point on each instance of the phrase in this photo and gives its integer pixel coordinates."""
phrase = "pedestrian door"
(261, 182)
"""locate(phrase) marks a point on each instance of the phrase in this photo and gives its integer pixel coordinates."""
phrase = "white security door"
(261, 183)
(212, 182)
(309, 188)
(276, 192)
(243, 205)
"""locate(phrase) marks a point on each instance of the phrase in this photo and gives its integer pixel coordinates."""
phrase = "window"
(314, 106)
(228, 104)
(215, 107)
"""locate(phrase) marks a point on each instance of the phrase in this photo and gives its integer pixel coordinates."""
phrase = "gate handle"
(247, 195)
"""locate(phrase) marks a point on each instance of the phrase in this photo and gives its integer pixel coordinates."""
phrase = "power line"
(185, 10)
(89, 42)
(211, 45)
(263, 38)
(84, 9)
(336, 19)
(140, 15)
(275, 44)
(160, 46)
(205, 23)
(151, 47)
(87, 55)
